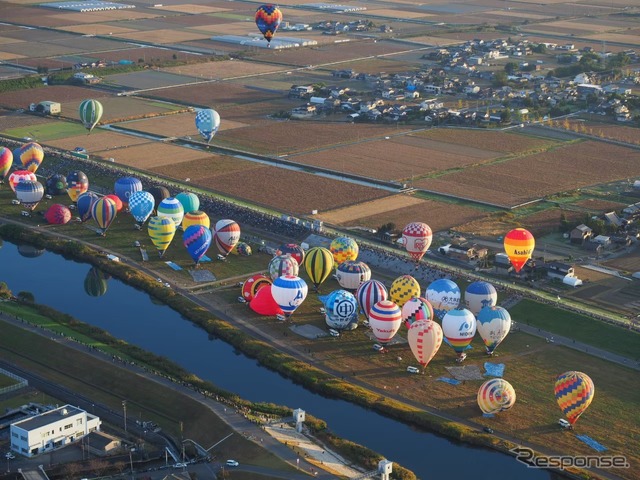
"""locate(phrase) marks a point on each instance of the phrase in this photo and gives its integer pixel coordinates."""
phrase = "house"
(559, 270)
(603, 240)
(300, 91)
(431, 104)
(102, 444)
(46, 107)
(51, 430)
(612, 218)
(594, 247)
(86, 78)
(432, 89)
(580, 234)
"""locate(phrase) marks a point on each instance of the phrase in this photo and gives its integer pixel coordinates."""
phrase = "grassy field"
(48, 131)
(6, 381)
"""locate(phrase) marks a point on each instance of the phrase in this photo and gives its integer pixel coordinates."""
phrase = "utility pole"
(124, 409)
(182, 439)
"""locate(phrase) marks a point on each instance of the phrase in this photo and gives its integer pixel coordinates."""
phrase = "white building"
(50, 430)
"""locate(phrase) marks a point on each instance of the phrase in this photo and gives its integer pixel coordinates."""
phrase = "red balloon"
(264, 304)
(116, 199)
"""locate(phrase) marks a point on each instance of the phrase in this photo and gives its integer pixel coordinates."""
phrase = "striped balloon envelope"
(289, 292)
(518, 245)
(459, 327)
(369, 293)
(29, 192)
(31, 156)
(90, 112)
(104, 211)
(84, 203)
(196, 217)
(318, 263)
(416, 308)
(226, 235)
(385, 319)
(171, 208)
(496, 395)
(425, 339)
(20, 175)
(574, 393)
(6, 161)
(161, 231)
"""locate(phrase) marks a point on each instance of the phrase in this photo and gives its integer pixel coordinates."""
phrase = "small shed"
(572, 281)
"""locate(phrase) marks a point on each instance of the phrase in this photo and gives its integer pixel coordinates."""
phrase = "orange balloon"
(519, 245)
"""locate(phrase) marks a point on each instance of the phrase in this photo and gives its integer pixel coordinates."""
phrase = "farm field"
(504, 142)
(99, 141)
(57, 93)
(223, 69)
(614, 132)
(178, 125)
(153, 154)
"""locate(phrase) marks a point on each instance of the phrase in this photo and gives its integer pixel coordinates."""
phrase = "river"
(130, 314)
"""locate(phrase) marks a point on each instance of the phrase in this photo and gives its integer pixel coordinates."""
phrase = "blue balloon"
(207, 123)
(342, 310)
(17, 163)
(141, 205)
(85, 200)
(443, 295)
(126, 186)
(197, 240)
(289, 292)
(479, 295)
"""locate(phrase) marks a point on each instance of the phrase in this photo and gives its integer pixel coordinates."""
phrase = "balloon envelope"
(207, 123)
(293, 249)
(116, 200)
(369, 293)
(171, 208)
(190, 201)
(415, 309)
(351, 274)
(95, 283)
(31, 156)
(403, 288)
(263, 302)
(443, 295)
(29, 192)
(318, 263)
(425, 338)
(574, 392)
(494, 323)
(341, 310)
(141, 205)
(6, 161)
(90, 112)
(243, 249)
(289, 292)
(283, 265)
(197, 240)
(159, 193)
(195, 218)
(57, 214)
(56, 184)
(77, 184)
(254, 283)
(518, 245)
(125, 187)
(161, 231)
(459, 327)
(416, 238)
(268, 18)
(84, 203)
(479, 295)
(104, 211)
(227, 235)
(385, 319)
(496, 395)
(20, 175)
(343, 249)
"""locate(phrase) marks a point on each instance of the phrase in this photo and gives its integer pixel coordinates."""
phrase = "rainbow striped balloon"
(417, 308)
(496, 395)
(574, 392)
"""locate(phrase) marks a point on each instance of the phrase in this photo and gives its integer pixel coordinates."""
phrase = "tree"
(505, 116)
(26, 297)
(511, 67)
(500, 79)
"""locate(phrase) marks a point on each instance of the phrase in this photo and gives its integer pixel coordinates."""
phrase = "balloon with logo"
(283, 265)
(443, 295)
(57, 214)
(459, 327)
(415, 309)
(369, 293)
(197, 240)
(104, 211)
(494, 323)
(289, 292)
(416, 238)
(403, 288)
(574, 393)
(84, 203)
(159, 194)
(161, 231)
(341, 310)
(19, 176)
(195, 218)
(125, 187)
(268, 18)
(77, 184)
(318, 263)
(141, 205)
(170, 207)
(56, 184)
(6, 161)
(479, 295)
(190, 202)
(385, 319)
(293, 249)
(207, 123)
(29, 192)
(254, 283)
(116, 200)
(90, 112)
(263, 302)
(425, 338)
(31, 156)
(226, 236)
(243, 249)
(496, 395)
(351, 274)
(518, 245)
(343, 249)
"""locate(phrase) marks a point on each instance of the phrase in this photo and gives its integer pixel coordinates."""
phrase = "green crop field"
(48, 131)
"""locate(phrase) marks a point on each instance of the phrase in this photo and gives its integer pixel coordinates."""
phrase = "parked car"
(231, 463)
(334, 333)
(411, 369)
(564, 424)
(242, 300)
(488, 429)
(377, 347)
(180, 465)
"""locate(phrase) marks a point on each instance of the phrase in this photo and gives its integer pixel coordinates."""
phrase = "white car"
(180, 465)
(334, 333)
(377, 347)
(242, 300)
(231, 463)
(413, 369)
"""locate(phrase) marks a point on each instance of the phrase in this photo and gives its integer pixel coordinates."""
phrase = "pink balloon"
(264, 304)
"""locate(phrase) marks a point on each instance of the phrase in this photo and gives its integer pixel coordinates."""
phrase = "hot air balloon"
(84, 203)
(104, 211)
(90, 112)
(443, 295)
(519, 245)
(161, 231)
(494, 323)
(56, 184)
(293, 249)
(172, 208)
(415, 309)
(125, 187)
(29, 192)
(343, 249)
(425, 338)
(402, 289)
(6, 161)
(459, 327)
(341, 309)
(58, 214)
(385, 319)
(283, 265)
(141, 205)
(29, 251)
(20, 175)
(159, 194)
(289, 292)
(95, 283)
(195, 218)
(318, 263)
(254, 283)
(574, 392)
(263, 302)
(77, 183)
(416, 238)
(226, 236)
(16, 158)
(496, 395)
(207, 123)
(369, 293)
(197, 240)
(190, 202)
(351, 274)
(116, 200)
(243, 249)
(268, 18)
(479, 295)
(31, 156)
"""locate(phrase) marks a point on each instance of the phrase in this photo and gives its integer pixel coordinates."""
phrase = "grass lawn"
(48, 131)
(580, 327)
(7, 381)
